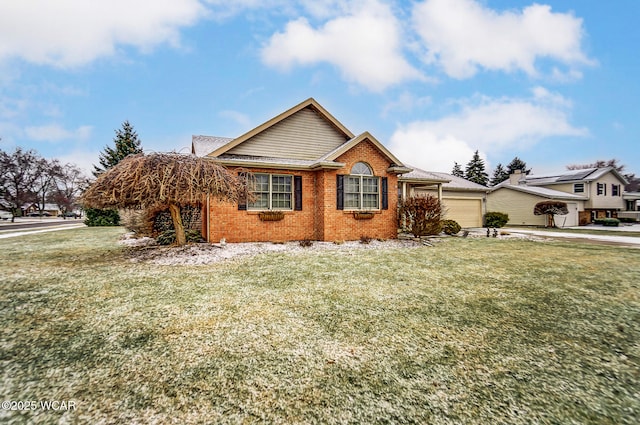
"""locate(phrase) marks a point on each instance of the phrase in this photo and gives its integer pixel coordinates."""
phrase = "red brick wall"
(319, 218)
(226, 221)
(341, 225)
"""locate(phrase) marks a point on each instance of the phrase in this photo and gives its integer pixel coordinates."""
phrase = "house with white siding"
(589, 194)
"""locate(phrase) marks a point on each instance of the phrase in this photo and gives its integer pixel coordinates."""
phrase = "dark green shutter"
(340, 192)
(242, 202)
(297, 192)
(385, 194)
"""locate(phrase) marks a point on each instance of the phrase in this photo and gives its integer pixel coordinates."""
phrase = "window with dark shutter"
(242, 202)
(271, 192)
(340, 192)
(385, 193)
(297, 192)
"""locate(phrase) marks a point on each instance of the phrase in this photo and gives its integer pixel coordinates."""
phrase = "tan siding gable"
(303, 135)
(518, 205)
(606, 200)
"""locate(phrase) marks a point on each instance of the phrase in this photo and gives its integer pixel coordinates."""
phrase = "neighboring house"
(632, 203)
(312, 179)
(589, 194)
(49, 209)
(464, 201)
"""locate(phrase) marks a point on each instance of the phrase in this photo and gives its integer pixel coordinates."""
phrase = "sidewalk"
(633, 241)
(623, 227)
(25, 232)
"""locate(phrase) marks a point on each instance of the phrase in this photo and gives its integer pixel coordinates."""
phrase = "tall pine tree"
(457, 170)
(500, 174)
(517, 164)
(475, 171)
(126, 143)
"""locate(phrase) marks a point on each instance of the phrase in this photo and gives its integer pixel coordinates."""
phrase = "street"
(28, 225)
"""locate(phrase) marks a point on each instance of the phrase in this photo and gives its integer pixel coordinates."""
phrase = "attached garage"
(570, 219)
(464, 201)
(519, 201)
(467, 212)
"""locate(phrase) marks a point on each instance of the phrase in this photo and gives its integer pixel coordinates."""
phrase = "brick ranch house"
(312, 179)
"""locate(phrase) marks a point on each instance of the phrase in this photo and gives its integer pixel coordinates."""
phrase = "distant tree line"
(475, 171)
(27, 178)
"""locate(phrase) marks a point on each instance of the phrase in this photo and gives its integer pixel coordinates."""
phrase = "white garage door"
(570, 219)
(467, 212)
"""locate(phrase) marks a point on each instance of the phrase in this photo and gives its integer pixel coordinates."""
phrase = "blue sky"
(554, 83)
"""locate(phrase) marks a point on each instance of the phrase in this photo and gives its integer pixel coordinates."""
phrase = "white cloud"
(57, 133)
(405, 102)
(464, 35)
(485, 124)
(366, 45)
(224, 9)
(239, 118)
(325, 8)
(83, 159)
(416, 145)
(11, 108)
(70, 33)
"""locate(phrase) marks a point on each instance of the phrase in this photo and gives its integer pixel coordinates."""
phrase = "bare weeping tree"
(550, 209)
(421, 215)
(163, 179)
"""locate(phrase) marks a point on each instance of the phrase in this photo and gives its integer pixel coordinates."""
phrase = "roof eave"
(278, 165)
(466, 189)
(418, 180)
(559, 195)
(257, 164)
(399, 169)
(324, 165)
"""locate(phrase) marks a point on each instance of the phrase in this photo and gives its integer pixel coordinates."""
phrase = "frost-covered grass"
(467, 331)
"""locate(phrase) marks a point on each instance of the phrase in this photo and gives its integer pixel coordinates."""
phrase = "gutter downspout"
(208, 219)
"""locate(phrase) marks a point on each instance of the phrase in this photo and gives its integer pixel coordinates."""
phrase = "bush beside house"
(495, 219)
(98, 217)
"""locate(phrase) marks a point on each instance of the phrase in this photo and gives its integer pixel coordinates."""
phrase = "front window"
(361, 189)
(615, 190)
(602, 189)
(578, 188)
(272, 192)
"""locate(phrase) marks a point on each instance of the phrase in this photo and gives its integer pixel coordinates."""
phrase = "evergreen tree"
(126, 143)
(517, 164)
(475, 171)
(500, 174)
(457, 170)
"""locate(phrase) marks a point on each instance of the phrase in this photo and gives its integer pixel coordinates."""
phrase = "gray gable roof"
(540, 191)
(458, 183)
(582, 175)
(204, 145)
(418, 175)
(449, 181)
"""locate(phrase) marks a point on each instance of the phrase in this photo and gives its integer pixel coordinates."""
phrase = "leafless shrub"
(422, 215)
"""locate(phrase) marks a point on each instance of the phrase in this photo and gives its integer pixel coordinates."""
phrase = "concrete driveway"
(593, 236)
